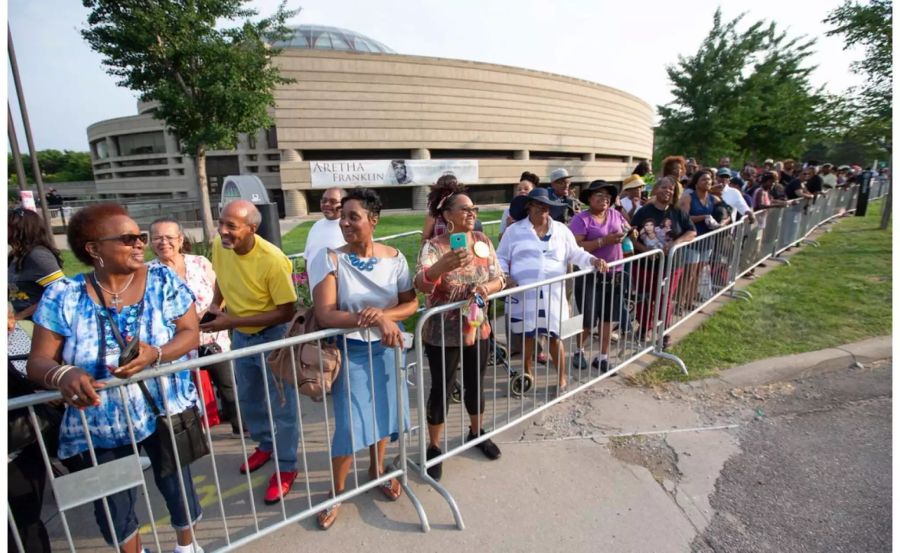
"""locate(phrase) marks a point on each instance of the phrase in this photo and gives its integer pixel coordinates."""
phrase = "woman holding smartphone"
(457, 265)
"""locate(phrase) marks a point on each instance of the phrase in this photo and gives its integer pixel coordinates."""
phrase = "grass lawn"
(828, 296)
(295, 240)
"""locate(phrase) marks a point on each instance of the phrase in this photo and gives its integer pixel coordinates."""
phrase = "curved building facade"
(354, 99)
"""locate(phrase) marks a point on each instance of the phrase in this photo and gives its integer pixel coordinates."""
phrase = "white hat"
(558, 174)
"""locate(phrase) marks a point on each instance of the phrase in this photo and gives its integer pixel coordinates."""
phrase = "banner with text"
(387, 172)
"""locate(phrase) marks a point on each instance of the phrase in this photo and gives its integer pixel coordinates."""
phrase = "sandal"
(327, 517)
(391, 489)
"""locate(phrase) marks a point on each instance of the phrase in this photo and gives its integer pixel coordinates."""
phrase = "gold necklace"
(115, 295)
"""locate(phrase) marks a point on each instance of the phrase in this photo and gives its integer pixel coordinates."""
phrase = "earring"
(450, 227)
(100, 261)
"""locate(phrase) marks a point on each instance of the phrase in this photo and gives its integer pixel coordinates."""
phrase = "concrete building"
(355, 99)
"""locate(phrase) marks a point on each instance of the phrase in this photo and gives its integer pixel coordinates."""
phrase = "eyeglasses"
(127, 239)
(469, 210)
(161, 239)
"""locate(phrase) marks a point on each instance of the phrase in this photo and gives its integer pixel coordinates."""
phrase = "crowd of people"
(179, 306)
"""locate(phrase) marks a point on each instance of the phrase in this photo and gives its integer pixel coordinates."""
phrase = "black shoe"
(489, 448)
(600, 364)
(579, 363)
(434, 471)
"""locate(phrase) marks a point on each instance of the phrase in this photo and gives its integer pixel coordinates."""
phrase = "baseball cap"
(558, 174)
(770, 161)
(723, 172)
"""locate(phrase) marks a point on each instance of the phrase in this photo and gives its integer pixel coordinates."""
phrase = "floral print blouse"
(201, 279)
(67, 309)
(455, 286)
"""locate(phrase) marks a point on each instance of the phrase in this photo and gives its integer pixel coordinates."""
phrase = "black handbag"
(20, 428)
(185, 434)
(209, 349)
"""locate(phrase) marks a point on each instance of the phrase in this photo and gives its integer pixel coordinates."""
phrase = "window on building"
(273, 168)
(271, 138)
(251, 141)
(142, 143)
(100, 149)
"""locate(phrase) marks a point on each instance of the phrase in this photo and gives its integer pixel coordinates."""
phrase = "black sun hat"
(517, 207)
(596, 185)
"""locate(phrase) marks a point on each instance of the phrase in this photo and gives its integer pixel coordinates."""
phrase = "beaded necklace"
(361, 264)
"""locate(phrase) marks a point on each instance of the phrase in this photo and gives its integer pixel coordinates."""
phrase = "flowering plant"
(301, 283)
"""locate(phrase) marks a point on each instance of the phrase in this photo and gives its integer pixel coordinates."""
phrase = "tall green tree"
(212, 81)
(745, 93)
(56, 166)
(869, 25)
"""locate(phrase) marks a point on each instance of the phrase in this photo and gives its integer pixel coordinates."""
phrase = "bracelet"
(57, 376)
(158, 355)
(48, 374)
(426, 280)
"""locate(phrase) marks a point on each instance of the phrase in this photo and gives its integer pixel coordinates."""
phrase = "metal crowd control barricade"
(792, 223)
(233, 515)
(512, 389)
(698, 272)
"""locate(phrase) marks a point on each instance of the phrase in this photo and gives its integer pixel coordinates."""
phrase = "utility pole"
(20, 94)
(14, 144)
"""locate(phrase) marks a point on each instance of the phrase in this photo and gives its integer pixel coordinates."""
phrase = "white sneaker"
(193, 548)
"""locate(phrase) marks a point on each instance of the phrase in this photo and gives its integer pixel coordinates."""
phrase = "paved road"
(814, 472)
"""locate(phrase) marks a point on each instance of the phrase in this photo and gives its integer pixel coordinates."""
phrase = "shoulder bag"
(311, 366)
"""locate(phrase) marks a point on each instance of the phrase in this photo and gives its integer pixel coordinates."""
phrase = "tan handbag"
(317, 363)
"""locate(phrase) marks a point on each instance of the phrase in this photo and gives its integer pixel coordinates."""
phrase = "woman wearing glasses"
(172, 249)
(74, 348)
(537, 248)
(452, 270)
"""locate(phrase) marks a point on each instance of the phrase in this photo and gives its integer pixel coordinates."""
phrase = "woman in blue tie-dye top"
(74, 348)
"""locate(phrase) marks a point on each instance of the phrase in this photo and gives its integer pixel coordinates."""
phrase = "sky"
(626, 45)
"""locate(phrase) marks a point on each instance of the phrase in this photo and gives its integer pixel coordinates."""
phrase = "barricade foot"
(781, 260)
(420, 510)
(739, 294)
(673, 358)
(454, 508)
(811, 243)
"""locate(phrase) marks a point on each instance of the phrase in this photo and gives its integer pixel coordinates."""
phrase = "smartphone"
(129, 353)
(457, 241)
(208, 317)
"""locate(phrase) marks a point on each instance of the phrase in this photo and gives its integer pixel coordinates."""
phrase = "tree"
(56, 166)
(745, 94)
(870, 26)
(211, 82)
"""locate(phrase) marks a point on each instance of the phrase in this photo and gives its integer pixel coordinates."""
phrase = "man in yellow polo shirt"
(254, 280)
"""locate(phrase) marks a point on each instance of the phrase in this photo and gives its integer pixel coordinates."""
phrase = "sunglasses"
(469, 210)
(127, 239)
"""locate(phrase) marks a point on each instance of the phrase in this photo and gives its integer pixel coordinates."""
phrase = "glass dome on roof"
(321, 37)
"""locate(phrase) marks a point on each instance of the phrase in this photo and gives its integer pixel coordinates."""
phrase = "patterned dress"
(67, 309)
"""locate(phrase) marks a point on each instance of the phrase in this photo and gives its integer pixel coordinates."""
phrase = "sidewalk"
(576, 478)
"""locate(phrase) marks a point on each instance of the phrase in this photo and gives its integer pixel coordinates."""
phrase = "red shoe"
(257, 459)
(274, 494)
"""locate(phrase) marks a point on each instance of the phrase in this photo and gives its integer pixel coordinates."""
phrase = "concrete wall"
(344, 101)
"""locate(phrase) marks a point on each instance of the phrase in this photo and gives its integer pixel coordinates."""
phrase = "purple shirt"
(583, 224)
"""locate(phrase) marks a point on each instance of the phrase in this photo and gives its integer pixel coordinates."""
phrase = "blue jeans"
(122, 505)
(249, 373)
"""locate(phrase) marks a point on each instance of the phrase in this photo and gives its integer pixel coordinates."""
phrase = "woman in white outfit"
(532, 249)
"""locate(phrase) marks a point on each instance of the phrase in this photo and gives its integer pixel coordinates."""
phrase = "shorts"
(600, 298)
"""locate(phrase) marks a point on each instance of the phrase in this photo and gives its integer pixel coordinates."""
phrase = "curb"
(792, 367)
